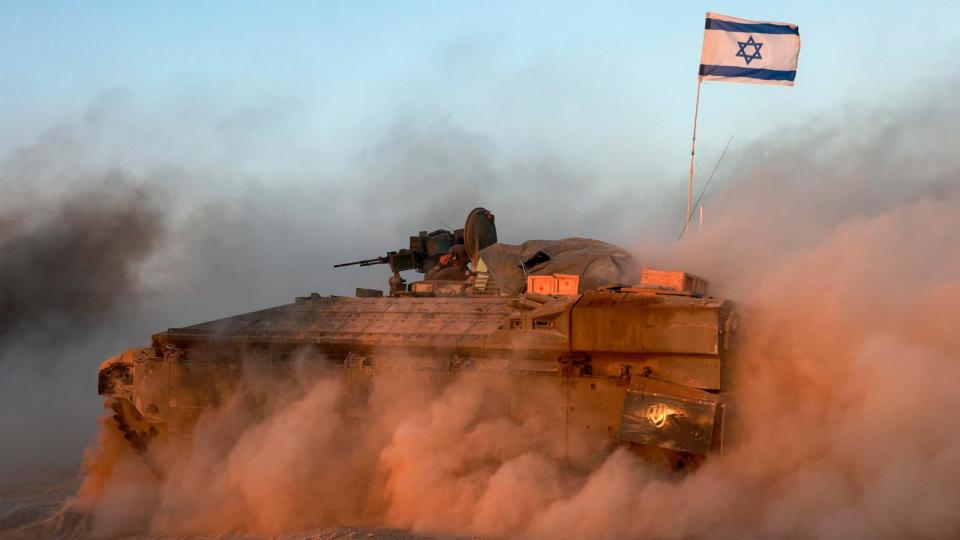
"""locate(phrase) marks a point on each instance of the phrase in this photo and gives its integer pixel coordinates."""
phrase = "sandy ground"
(32, 510)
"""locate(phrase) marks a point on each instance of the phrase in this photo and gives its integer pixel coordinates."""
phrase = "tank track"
(136, 429)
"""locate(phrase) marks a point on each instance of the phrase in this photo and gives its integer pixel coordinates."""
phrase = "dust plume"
(840, 248)
(290, 454)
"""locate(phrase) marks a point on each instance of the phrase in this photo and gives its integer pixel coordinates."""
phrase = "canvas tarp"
(597, 263)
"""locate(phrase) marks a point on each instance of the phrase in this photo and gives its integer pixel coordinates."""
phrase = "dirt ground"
(33, 510)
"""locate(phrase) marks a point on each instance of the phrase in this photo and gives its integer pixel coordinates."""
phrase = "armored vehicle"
(635, 358)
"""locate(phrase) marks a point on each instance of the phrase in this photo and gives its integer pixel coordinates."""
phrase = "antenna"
(705, 186)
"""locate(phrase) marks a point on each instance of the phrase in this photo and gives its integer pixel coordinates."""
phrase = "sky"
(609, 85)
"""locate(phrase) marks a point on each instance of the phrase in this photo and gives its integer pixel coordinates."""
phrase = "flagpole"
(693, 149)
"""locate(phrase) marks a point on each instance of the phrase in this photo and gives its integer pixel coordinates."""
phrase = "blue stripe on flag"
(751, 28)
(764, 74)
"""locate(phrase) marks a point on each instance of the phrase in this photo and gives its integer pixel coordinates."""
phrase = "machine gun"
(398, 260)
(427, 248)
(404, 259)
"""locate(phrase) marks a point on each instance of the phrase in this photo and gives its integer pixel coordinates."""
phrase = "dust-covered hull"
(637, 366)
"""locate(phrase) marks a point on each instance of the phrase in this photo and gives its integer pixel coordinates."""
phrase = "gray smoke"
(69, 263)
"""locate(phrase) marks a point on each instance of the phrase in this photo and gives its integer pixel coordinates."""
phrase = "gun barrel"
(365, 262)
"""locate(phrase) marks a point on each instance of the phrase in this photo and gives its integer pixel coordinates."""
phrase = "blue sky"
(609, 85)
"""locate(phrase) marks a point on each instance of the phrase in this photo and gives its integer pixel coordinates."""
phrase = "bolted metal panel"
(362, 320)
(631, 323)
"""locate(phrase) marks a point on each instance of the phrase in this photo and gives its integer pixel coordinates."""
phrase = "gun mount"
(427, 249)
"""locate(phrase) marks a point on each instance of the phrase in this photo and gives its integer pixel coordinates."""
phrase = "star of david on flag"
(743, 51)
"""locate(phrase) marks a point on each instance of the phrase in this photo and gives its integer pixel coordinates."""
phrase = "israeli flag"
(742, 51)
